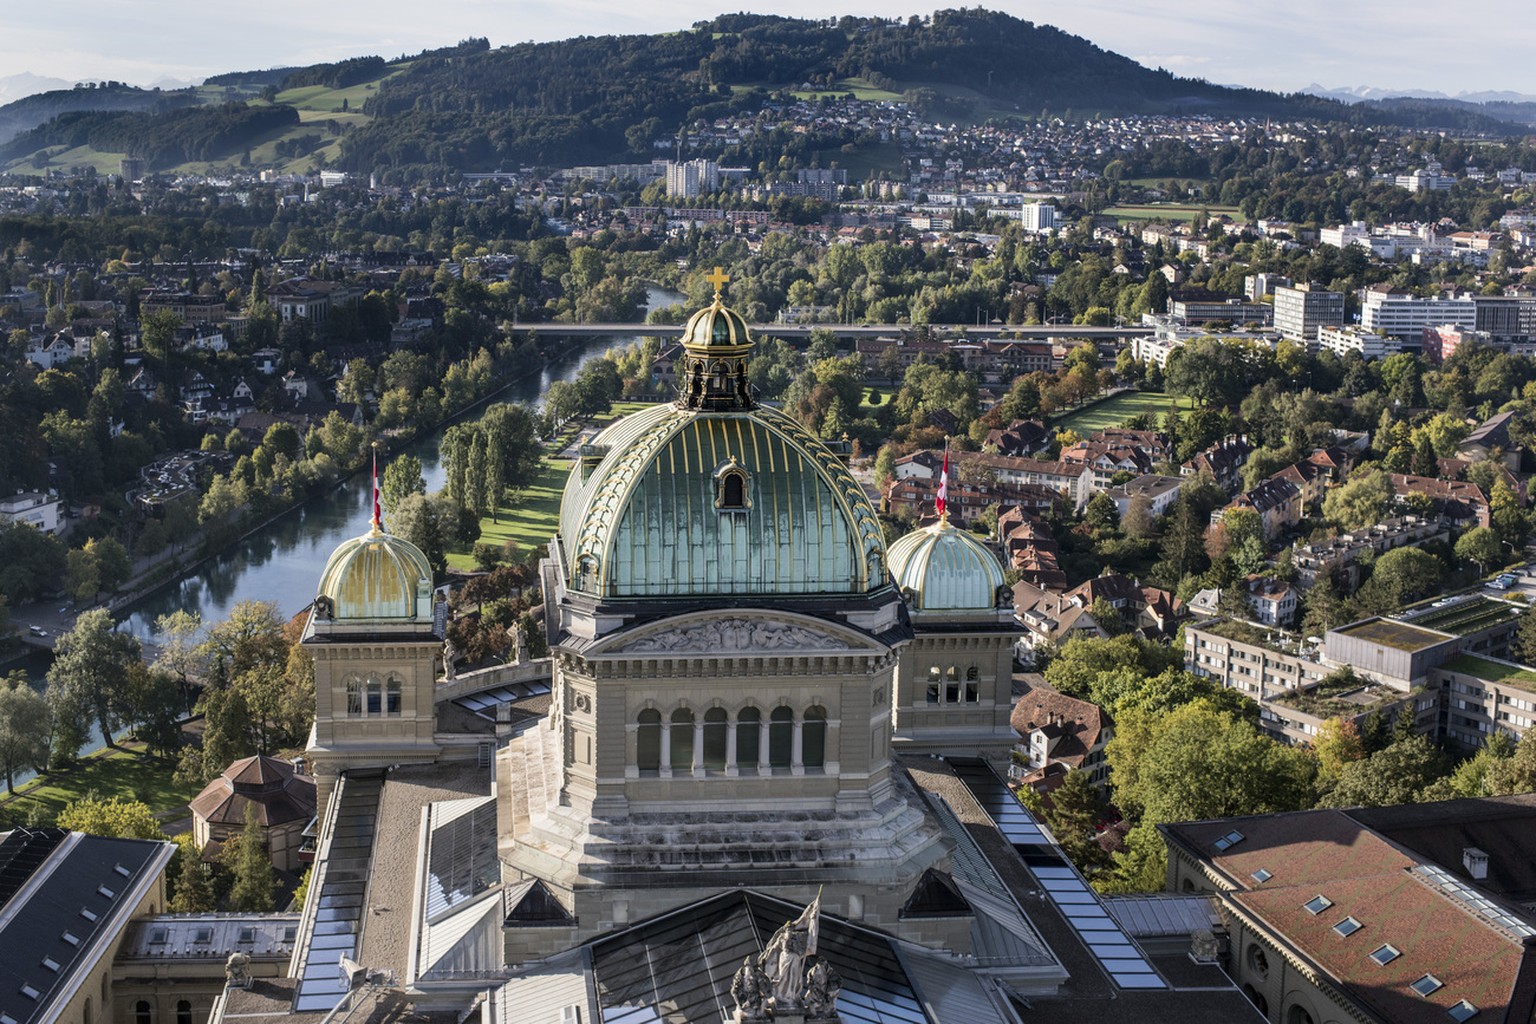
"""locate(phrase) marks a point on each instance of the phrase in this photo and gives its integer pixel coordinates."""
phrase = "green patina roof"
(946, 569)
(639, 515)
(716, 326)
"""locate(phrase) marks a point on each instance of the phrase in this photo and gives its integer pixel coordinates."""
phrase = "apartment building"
(1398, 314)
(1301, 310)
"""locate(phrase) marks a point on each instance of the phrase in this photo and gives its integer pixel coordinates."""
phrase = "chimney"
(1476, 863)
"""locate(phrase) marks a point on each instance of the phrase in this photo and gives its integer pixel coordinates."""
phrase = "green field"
(1115, 411)
(1173, 212)
(859, 87)
(125, 773)
(529, 518)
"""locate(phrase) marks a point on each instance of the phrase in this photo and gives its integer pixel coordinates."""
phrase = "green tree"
(114, 816)
(179, 637)
(402, 477)
(1338, 744)
(113, 565)
(1073, 814)
(194, 888)
(1525, 639)
(152, 702)
(1479, 545)
(1360, 501)
(24, 727)
(247, 859)
(1400, 576)
(90, 661)
(251, 637)
(82, 575)
(1516, 773)
(1394, 775)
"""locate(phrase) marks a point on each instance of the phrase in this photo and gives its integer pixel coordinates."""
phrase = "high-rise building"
(692, 178)
(1301, 309)
(1403, 315)
(1038, 217)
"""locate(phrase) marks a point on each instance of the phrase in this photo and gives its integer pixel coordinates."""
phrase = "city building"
(1058, 734)
(1301, 310)
(1441, 341)
(1408, 914)
(1354, 338)
(1402, 315)
(1160, 492)
(1194, 310)
(692, 178)
(1038, 218)
(277, 793)
(34, 508)
(1223, 460)
(1337, 558)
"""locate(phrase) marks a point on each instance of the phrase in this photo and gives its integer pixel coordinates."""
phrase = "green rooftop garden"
(1492, 671)
(1398, 635)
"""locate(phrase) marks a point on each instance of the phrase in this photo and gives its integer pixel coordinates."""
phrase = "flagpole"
(378, 515)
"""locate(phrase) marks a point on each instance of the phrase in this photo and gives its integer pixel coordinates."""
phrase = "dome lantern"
(942, 569)
(714, 375)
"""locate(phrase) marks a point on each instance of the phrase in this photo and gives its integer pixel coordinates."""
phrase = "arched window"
(682, 739)
(749, 723)
(87, 1017)
(392, 696)
(717, 723)
(972, 685)
(354, 697)
(731, 487)
(183, 1012)
(952, 685)
(813, 739)
(142, 1014)
(933, 685)
(375, 696)
(781, 737)
(648, 742)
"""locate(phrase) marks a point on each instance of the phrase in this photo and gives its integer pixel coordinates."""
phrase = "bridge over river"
(952, 332)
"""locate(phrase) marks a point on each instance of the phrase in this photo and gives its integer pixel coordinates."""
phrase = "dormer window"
(731, 487)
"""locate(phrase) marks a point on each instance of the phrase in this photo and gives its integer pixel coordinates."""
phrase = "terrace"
(1341, 695)
(1506, 672)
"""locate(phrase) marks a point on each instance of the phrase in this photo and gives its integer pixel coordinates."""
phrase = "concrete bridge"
(945, 332)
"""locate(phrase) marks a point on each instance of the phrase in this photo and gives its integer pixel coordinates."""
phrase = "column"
(698, 747)
(796, 746)
(730, 749)
(764, 767)
(666, 748)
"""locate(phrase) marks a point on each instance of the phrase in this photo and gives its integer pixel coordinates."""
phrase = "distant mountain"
(29, 112)
(1354, 94)
(25, 83)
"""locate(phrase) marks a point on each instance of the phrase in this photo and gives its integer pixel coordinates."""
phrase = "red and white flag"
(943, 500)
(378, 515)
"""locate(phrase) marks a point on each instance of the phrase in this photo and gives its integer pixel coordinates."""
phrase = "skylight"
(69, 937)
(1228, 841)
(158, 936)
(1385, 954)
(1347, 927)
(103, 890)
(121, 870)
(1261, 876)
(88, 913)
(1462, 1011)
(1427, 984)
(50, 963)
(1318, 904)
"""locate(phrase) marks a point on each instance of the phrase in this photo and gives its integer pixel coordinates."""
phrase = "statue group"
(788, 978)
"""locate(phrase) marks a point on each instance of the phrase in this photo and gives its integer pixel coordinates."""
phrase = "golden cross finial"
(718, 279)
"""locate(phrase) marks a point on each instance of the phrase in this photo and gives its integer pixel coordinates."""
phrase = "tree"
(24, 727)
(1360, 501)
(1083, 659)
(113, 566)
(1509, 519)
(179, 635)
(1516, 773)
(1073, 814)
(1479, 545)
(153, 703)
(115, 817)
(402, 478)
(427, 522)
(1137, 521)
(1338, 744)
(82, 576)
(1400, 576)
(1394, 775)
(90, 661)
(1525, 639)
(194, 889)
(247, 859)
(252, 637)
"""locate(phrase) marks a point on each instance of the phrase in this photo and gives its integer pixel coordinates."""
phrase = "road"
(947, 331)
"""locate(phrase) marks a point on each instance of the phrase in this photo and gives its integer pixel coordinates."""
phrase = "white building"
(1353, 338)
(1403, 315)
(32, 508)
(1038, 217)
(692, 178)
(1344, 235)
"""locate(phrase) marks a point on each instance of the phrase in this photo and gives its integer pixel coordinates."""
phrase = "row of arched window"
(682, 742)
(946, 687)
(373, 696)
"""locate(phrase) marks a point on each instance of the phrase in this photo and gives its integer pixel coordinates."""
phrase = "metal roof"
(946, 569)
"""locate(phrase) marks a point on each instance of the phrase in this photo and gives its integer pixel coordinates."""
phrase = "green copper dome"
(945, 569)
(376, 577)
(674, 502)
(716, 326)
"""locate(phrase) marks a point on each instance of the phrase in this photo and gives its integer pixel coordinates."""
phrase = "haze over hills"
(596, 99)
(1354, 94)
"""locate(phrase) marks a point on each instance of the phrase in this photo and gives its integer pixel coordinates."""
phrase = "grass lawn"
(1115, 411)
(125, 773)
(529, 519)
(1176, 212)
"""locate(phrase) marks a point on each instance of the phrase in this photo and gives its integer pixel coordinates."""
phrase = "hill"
(596, 99)
(31, 111)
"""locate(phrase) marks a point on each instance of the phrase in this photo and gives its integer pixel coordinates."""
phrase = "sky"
(1474, 46)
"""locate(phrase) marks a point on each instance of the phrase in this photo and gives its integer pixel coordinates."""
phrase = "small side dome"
(716, 326)
(945, 570)
(376, 576)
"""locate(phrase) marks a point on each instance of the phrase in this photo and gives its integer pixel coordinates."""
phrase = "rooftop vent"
(1476, 863)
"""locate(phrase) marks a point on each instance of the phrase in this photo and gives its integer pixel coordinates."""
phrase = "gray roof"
(64, 899)
(1153, 916)
(210, 937)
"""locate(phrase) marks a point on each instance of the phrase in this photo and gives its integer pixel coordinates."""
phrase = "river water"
(281, 562)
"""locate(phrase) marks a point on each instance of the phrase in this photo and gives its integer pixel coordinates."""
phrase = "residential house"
(1278, 503)
(1491, 440)
(1273, 601)
(33, 508)
(1058, 734)
(1223, 460)
(1461, 503)
(1049, 619)
(1151, 610)
(1160, 493)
